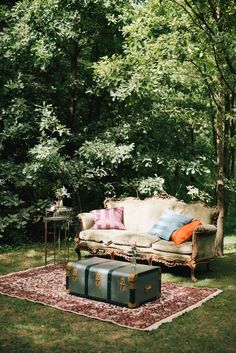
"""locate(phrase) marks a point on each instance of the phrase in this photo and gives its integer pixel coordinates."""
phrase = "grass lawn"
(32, 328)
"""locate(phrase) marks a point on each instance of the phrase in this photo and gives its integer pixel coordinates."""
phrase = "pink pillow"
(110, 218)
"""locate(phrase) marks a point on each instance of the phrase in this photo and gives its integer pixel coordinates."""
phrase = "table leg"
(54, 242)
(46, 242)
(59, 244)
(68, 233)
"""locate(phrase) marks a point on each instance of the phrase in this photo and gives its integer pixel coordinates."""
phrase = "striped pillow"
(168, 223)
(110, 218)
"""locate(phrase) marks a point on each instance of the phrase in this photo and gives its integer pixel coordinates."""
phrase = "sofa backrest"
(140, 215)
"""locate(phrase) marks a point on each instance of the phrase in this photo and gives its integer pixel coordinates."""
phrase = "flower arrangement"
(60, 195)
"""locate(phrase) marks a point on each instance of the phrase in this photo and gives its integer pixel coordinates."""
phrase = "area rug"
(46, 285)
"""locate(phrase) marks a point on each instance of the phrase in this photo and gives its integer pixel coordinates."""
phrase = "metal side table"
(60, 218)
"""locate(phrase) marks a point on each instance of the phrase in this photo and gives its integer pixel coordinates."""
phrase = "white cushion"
(119, 237)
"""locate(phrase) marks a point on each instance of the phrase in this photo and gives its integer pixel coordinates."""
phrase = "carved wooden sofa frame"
(202, 242)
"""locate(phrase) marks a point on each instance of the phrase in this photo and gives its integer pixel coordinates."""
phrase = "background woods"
(114, 98)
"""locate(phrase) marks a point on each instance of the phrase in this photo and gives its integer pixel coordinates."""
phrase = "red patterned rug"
(47, 286)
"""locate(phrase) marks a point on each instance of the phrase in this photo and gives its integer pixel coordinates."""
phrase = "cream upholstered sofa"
(138, 218)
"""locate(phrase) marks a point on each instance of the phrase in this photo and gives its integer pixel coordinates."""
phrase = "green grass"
(33, 328)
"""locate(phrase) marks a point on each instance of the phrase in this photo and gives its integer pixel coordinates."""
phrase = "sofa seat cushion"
(118, 237)
(142, 240)
(168, 246)
(100, 235)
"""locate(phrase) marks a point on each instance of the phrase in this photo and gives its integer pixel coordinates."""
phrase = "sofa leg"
(193, 277)
(78, 252)
(77, 247)
(192, 265)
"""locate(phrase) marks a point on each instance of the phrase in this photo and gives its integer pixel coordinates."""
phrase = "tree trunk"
(232, 166)
(73, 89)
(220, 120)
(232, 137)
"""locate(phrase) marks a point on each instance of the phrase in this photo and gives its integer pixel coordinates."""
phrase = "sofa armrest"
(86, 220)
(206, 228)
(204, 242)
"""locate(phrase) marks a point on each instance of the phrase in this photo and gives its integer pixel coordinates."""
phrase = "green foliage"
(108, 98)
(171, 62)
(151, 186)
(103, 154)
(196, 194)
(48, 48)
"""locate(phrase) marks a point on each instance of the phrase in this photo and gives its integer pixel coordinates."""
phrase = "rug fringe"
(150, 328)
(194, 306)
(71, 311)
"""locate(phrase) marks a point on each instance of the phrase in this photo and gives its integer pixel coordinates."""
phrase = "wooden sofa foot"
(193, 277)
(78, 252)
(77, 247)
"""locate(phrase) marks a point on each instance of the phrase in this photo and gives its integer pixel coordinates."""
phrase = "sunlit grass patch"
(28, 327)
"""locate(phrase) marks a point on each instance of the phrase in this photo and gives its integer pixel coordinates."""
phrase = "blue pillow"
(168, 223)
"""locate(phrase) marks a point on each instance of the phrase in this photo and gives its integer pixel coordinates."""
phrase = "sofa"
(138, 218)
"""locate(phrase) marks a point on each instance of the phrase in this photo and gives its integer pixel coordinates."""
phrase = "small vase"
(59, 203)
(133, 263)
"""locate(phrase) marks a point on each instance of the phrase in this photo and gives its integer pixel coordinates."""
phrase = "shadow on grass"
(221, 273)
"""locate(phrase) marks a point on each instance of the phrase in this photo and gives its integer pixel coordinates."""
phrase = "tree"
(48, 48)
(216, 23)
(181, 54)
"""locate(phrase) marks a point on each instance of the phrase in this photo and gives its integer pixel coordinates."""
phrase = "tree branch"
(219, 69)
(213, 10)
(189, 13)
(217, 17)
(210, 33)
(205, 79)
(199, 15)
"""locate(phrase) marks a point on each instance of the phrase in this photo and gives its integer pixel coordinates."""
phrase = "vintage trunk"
(114, 281)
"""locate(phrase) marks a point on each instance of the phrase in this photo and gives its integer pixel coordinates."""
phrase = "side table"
(60, 217)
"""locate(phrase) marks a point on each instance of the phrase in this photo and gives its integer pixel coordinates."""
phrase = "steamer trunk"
(114, 281)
